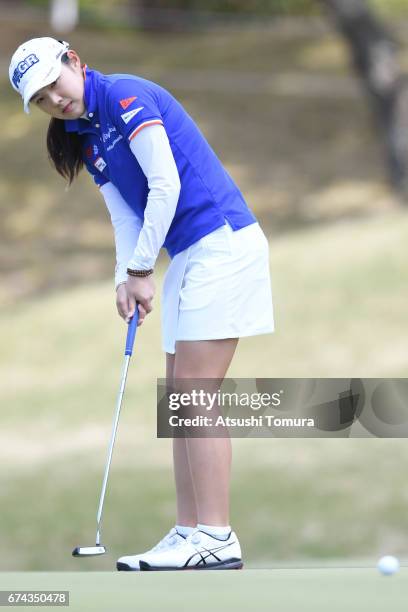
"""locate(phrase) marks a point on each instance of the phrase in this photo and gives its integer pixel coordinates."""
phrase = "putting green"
(286, 590)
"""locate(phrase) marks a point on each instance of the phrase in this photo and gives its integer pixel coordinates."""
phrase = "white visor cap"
(34, 65)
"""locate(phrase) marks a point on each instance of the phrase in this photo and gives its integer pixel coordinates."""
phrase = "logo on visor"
(23, 66)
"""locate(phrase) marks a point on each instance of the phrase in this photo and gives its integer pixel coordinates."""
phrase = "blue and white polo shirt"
(119, 106)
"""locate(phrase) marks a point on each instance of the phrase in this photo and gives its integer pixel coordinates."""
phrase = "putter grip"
(132, 326)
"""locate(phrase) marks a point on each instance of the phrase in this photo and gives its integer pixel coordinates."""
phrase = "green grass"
(311, 590)
(340, 305)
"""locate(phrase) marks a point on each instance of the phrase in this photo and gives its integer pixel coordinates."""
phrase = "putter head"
(88, 551)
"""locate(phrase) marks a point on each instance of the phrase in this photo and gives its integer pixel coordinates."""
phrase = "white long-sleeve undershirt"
(138, 243)
(126, 225)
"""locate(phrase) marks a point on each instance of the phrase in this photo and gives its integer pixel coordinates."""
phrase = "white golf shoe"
(170, 541)
(199, 551)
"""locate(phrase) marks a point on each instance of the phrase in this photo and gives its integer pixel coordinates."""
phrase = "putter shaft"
(110, 451)
(98, 549)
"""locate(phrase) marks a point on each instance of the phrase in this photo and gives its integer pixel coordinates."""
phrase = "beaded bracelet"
(140, 273)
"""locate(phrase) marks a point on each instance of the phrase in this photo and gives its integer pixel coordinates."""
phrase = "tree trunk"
(374, 55)
(64, 15)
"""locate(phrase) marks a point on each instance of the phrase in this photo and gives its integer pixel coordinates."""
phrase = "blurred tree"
(374, 55)
(64, 15)
(373, 48)
(177, 14)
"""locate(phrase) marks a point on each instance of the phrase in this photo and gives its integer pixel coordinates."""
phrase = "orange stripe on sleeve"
(143, 125)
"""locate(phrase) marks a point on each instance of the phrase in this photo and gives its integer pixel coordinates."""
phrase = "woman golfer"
(164, 187)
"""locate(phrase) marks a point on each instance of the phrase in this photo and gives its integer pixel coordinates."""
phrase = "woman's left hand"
(140, 290)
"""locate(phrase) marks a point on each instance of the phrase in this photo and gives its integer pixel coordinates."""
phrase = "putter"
(99, 549)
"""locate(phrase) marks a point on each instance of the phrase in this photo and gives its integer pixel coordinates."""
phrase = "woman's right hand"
(122, 304)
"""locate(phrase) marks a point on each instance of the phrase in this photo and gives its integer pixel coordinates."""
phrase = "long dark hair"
(64, 148)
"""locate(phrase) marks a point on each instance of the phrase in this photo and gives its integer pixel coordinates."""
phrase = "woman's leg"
(186, 505)
(209, 458)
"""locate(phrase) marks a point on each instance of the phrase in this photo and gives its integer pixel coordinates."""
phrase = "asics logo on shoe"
(210, 553)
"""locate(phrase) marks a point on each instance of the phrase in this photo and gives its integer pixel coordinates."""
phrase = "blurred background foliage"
(247, 7)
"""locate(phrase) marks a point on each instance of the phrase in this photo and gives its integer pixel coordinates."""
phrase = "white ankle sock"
(221, 533)
(184, 530)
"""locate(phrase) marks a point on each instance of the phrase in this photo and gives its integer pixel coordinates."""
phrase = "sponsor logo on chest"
(108, 135)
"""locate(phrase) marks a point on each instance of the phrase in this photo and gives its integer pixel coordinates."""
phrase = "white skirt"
(219, 287)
